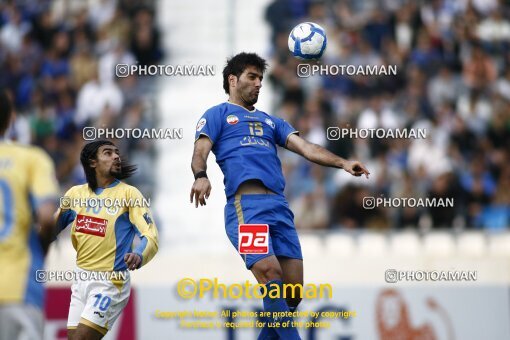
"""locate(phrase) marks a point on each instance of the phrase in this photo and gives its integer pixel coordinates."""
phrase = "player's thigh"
(292, 270)
(267, 269)
(84, 332)
(105, 302)
(76, 306)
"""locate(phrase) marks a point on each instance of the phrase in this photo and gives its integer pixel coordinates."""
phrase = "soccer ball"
(307, 41)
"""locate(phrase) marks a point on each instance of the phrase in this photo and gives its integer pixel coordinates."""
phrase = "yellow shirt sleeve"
(141, 218)
(42, 179)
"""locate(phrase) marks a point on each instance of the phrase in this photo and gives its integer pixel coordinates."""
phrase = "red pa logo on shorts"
(253, 239)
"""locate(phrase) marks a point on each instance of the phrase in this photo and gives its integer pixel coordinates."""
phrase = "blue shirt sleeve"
(209, 125)
(283, 131)
(64, 219)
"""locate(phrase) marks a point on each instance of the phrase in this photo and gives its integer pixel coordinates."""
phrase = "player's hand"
(200, 191)
(132, 260)
(355, 168)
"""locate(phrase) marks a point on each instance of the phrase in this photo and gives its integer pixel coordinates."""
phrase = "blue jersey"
(244, 143)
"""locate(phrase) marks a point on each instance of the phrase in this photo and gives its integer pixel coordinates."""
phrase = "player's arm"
(319, 155)
(43, 191)
(65, 215)
(44, 214)
(201, 188)
(141, 219)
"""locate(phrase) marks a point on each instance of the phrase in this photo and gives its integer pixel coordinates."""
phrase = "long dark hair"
(89, 153)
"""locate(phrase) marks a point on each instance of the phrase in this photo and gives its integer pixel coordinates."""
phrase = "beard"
(250, 99)
(116, 171)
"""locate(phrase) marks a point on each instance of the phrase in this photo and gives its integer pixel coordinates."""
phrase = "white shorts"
(97, 303)
(21, 322)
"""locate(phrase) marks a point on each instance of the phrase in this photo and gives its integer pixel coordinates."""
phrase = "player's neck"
(103, 182)
(240, 102)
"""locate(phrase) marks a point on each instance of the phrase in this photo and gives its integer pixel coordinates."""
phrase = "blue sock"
(272, 305)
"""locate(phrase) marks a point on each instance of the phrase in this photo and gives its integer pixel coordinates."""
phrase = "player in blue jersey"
(244, 141)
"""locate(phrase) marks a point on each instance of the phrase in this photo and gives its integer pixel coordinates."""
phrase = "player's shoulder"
(27, 151)
(270, 119)
(130, 190)
(264, 113)
(78, 190)
(218, 109)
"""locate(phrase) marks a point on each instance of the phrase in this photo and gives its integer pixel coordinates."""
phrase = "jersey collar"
(111, 185)
(252, 111)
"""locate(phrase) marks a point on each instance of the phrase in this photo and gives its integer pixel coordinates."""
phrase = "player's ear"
(92, 163)
(232, 80)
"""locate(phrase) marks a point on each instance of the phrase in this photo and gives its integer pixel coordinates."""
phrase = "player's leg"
(293, 274)
(86, 332)
(254, 209)
(102, 303)
(75, 308)
(267, 269)
(19, 321)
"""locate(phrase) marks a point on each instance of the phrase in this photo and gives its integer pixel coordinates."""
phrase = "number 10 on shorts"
(253, 239)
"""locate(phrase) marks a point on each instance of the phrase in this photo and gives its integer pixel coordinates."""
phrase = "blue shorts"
(269, 209)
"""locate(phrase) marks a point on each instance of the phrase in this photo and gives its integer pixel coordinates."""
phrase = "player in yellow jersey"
(103, 235)
(27, 186)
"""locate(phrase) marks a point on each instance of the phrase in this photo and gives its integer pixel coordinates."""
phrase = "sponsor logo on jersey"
(91, 225)
(112, 210)
(232, 119)
(201, 124)
(270, 122)
(147, 218)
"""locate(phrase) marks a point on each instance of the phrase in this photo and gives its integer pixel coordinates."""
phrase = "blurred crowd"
(57, 60)
(453, 79)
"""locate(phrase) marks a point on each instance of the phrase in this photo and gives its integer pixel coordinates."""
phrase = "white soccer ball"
(307, 41)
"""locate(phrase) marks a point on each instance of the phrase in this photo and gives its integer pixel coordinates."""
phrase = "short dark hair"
(89, 153)
(238, 63)
(5, 111)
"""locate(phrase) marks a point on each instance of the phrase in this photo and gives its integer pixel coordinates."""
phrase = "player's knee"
(268, 272)
(293, 302)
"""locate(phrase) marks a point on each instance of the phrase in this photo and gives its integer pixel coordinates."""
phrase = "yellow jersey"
(104, 224)
(27, 178)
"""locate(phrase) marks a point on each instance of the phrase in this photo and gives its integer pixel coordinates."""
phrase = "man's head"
(5, 111)
(101, 158)
(242, 77)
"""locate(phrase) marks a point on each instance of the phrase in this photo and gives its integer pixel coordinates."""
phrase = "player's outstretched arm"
(201, 188)
(319, 155)
(141, 219)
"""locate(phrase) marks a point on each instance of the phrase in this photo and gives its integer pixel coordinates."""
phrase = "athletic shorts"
(97, 303)
(269, 209)
(20, 321)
